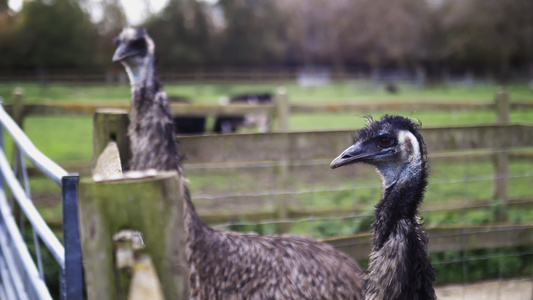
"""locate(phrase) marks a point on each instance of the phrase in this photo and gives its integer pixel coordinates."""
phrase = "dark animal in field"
(187, 125)
(391, 87)
(225, 264)
(230, 124)
(400, 267)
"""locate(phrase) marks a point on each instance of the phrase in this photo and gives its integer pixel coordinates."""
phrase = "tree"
(182, 32)
(56, 35)
(487, 35)
(253, 32)
(4, 7)
(113, 18)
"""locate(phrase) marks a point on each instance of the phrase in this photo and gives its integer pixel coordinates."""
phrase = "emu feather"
(224, 264)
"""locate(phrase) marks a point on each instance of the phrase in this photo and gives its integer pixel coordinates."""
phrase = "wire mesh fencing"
(478, 212)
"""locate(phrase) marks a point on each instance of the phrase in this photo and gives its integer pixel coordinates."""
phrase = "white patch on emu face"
(403, 166)
(409, 145)
(412, 158)
(128, 33)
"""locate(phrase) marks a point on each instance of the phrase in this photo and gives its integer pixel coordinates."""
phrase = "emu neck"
(152, 135)
(400, 267)
(141, 74)
(400, 201)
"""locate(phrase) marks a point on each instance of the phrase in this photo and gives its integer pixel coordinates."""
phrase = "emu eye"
(385, 142)
(138, 44)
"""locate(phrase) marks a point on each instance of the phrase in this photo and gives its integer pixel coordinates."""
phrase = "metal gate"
(20, 277)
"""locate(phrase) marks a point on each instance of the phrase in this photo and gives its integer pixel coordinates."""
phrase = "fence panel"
(30, 284)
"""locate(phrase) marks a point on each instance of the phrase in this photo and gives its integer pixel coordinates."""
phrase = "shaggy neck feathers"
(142, 75)
(151, 127)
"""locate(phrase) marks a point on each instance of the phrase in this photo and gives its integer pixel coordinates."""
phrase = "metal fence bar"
(45, 164)
(24, 174)
(71, 234)
(17, 258)
(36, 220)
(69, 256)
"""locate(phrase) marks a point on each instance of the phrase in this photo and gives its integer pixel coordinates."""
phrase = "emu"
(400, 267)
(225, 264)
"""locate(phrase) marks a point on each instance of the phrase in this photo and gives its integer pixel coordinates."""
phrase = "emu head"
(393, 145)
(135, 50)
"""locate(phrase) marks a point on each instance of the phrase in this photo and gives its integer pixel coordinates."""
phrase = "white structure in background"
(310, 77)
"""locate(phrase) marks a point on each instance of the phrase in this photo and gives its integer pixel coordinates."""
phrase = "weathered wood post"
(111, 125)
(501, 159)
(281, 101)
(502, 106)
(18, 116)
(151, 205)
(281, 172)
(18, 107)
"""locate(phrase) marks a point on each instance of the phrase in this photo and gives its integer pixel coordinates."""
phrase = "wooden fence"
(107, 206)
(283, 148)
(279, 111)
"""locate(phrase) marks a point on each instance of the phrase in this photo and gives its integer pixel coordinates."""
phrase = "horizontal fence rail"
(299, 146)
(68, 256)
(38, 223)
(46, 165)
(177, 109)
(449, 238)
(207, 109)
(20, 277)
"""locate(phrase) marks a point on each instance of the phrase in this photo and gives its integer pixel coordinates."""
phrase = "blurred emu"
(225, 264)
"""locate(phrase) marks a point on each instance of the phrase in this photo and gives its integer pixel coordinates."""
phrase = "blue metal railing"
(20, 278)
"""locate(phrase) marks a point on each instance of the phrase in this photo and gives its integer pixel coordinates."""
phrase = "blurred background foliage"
(485, 37)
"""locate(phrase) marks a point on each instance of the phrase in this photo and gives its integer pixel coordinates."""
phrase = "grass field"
(339, 91)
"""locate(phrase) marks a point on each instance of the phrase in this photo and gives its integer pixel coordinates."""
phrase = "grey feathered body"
(231, 265)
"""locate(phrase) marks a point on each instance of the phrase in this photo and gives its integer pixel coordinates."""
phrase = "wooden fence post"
(283, 107)
(111, 125)
(152, 206)
(18, 106)
(18, 116)
(282, 125)
(502, 106)
(501, 159)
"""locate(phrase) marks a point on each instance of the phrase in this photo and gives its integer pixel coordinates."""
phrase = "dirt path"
(520, 289)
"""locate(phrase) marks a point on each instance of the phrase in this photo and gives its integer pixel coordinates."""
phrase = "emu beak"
(121, 52)
(353, 154)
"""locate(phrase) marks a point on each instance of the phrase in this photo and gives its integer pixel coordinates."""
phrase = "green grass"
(335, 92)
